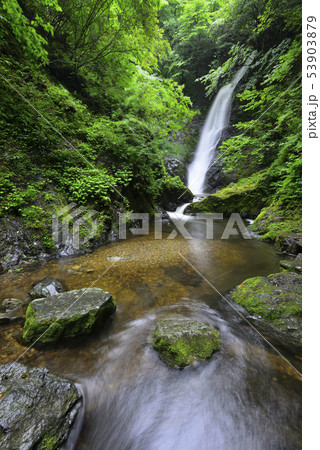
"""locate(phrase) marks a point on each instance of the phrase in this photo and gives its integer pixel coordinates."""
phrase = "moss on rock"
(48, 443)
(276, 300)
(173, 193)
(181, 342)
(245, 197)
(66, 315)
(280, 227)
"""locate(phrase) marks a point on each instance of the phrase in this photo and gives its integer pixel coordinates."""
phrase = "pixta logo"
(74, 226)
(234, 226)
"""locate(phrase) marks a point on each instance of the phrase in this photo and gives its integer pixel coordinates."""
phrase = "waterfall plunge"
(216, 121)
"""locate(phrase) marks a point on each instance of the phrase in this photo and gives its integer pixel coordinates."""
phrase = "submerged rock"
(181, 342)
(276, 301)
(67, 315)
(11, 309)
(46, 287)
(37, 408)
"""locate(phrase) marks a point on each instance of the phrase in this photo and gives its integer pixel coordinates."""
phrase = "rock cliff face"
(37, 408)
(21, 245)
(175, 167)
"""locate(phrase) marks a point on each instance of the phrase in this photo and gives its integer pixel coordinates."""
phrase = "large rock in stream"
(37, 408)
(181, 342)
(66, 315)
(275, 302)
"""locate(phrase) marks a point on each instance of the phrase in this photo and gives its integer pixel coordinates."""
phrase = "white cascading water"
(216, 121)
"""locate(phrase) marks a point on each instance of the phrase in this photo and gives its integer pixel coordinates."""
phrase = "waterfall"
(216, 121)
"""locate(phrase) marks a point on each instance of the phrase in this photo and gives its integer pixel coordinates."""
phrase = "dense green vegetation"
(83, 117)
(267, 114)
(94, 95)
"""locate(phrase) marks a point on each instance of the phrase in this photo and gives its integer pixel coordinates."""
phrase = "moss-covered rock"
(173, 193)
(276, 301)
(66, 315)
(181, 342)
(246, 197)
(37, 408)
(280, 227)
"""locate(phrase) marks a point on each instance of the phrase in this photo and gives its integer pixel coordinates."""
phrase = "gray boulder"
(46, 287)
(66, 315)
(37, 408)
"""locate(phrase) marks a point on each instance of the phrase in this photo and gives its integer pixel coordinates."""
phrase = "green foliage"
(188, 28)
(24, 20)
(104, 162)
(93, 187)
(238, 56)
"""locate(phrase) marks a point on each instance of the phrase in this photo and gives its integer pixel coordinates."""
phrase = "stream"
(244, 397)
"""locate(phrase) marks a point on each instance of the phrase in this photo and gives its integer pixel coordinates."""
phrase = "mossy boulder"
(66, 315)
(173, 193)
(245, 197)
(37, 408)
(276, 302)
(181, 342)
(282, 228)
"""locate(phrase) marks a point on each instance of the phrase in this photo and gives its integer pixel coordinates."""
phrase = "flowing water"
(244, 397)
(217, 119)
